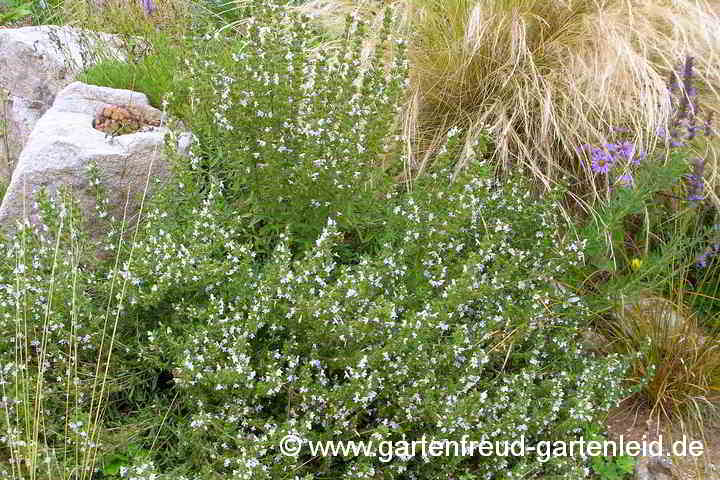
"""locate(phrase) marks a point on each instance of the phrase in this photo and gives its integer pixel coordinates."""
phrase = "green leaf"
(112, 467)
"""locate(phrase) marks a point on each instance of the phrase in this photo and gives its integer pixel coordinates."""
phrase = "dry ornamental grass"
(546, 76)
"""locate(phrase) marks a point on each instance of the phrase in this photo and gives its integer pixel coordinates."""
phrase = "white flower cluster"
(291, 289)
(454, 327)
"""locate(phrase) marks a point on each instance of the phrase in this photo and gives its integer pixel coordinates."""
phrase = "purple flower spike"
(149, 6)
(688, 71)
(695, 181)
(708, 124)
(686, 106)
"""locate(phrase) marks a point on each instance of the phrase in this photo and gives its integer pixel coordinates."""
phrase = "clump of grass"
(679, 366)
(705, 283)
(155, 73)
(129, 17)
(548, 76)
(47, 12)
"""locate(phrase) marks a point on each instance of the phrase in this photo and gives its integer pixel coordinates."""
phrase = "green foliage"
(643, 217)
(66, 378)
(14, 10)
(613, 468)
(293, 135)
(232, 319)
(652, 205)
(456, 305)
(47, 12)
(115, 464)
(155, 73)
(704, 289)
(609, 467)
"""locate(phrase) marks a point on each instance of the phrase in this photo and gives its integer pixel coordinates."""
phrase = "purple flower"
(710, 252)
(626, 181)
(677, 143)
(626, 149)
(601, 161)
(701, 260)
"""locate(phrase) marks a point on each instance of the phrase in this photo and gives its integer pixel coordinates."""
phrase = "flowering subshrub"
(452, 327)
(282, 284)
(292, 133)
